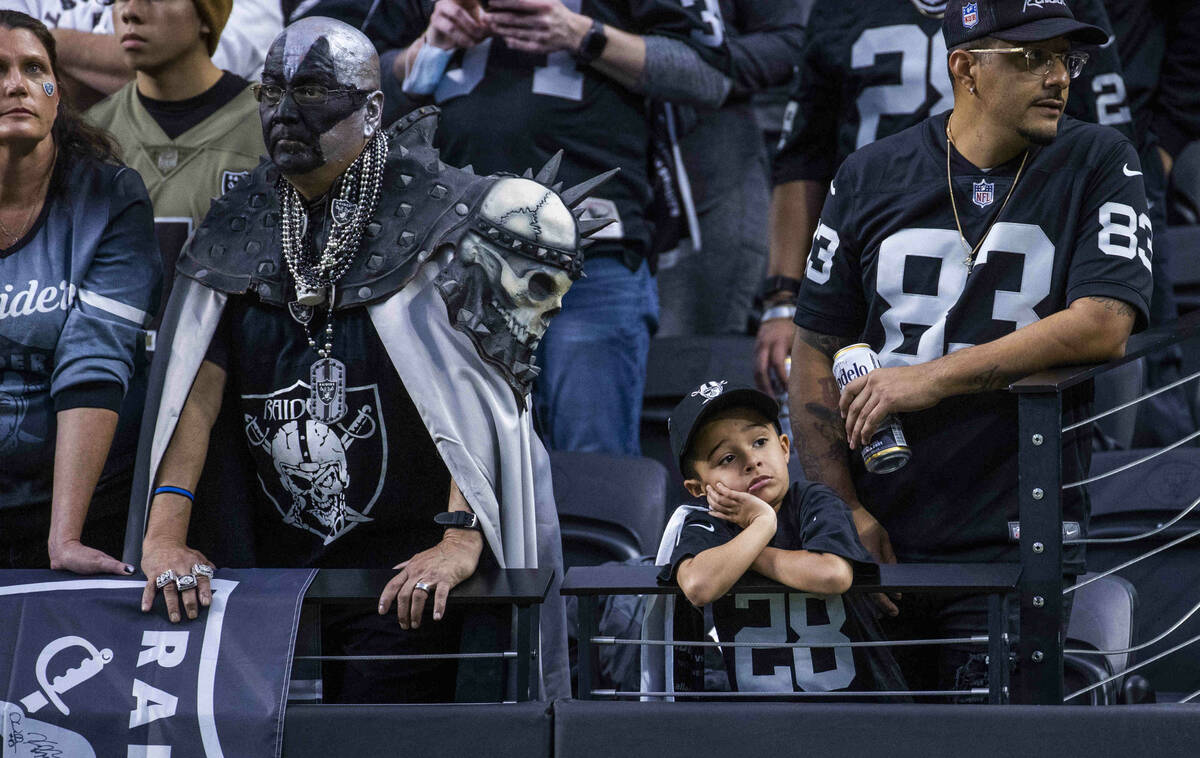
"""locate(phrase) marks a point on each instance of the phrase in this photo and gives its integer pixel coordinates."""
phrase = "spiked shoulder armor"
(517, 244)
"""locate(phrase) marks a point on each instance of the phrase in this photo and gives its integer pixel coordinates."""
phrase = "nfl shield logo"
(983, 193)
(970, 15)
(229, 179)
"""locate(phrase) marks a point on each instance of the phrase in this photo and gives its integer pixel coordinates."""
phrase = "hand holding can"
(888, 450)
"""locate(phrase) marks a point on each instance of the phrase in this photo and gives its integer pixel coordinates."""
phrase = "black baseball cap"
(709, 398)
(1016, 21)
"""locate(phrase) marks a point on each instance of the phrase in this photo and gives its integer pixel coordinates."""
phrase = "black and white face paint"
(325, 53)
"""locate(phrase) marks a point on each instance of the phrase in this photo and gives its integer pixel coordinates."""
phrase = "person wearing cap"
(729, 448)
(190, 129)
(975, 248)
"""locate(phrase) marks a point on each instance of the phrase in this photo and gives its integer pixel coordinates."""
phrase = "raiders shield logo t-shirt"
(360, 491)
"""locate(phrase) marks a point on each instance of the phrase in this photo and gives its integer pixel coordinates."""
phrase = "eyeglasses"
(305, 94)
(1041, 62)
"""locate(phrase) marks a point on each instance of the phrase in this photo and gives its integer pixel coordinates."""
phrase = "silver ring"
(201, 569)
(186, 582)
(165, 578)
(422, 586)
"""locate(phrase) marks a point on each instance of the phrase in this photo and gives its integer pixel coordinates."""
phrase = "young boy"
(727, 442)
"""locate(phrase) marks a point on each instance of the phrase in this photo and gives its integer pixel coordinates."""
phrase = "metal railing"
(1040, 486)
(523, 590)
(998, 581)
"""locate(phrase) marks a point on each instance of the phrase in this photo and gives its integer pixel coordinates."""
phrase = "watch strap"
(457, 520)
(773, 284)
(593, 43)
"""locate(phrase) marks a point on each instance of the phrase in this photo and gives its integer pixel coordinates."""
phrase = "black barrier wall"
(601, 729)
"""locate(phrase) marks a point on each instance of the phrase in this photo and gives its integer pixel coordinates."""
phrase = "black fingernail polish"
(129, 569)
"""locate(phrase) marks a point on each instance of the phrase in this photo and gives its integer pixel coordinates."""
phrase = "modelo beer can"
(888, 450)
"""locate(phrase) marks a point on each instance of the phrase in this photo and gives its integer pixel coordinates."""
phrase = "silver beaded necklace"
(316, 276)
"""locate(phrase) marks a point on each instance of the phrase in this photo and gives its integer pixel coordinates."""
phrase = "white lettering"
(44, 299)
(16, 308)
(167, 648)
(283, 409)
(35, 299)
(152, 704)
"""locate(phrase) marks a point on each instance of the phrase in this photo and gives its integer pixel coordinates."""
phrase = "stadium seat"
(610, 508)
(1183, 243)
(1136, 501)
(1102, 618)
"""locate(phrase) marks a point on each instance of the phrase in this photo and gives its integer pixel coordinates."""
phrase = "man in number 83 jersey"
(972, 249)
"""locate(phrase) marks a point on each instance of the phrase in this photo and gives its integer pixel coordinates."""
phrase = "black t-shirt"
(360, 493)
(811, 518)
(505, 110)
(175, 117)
(887, 268)
(872, 68)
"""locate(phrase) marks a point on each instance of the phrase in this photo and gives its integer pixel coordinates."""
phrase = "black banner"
(86, 674)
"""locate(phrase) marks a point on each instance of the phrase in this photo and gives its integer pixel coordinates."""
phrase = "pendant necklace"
(969, 261)
(316, 276)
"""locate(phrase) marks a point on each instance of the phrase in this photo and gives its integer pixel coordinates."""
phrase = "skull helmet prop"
(514, 263)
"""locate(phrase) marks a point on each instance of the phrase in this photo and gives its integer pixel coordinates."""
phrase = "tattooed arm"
(820, 435)
(1091, 330)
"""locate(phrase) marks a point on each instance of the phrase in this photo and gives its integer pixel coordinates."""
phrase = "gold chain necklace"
(24, 227)
(969, 261)
(13, 237)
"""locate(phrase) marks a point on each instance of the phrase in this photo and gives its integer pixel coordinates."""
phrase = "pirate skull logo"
(710, 390)
(310, 459)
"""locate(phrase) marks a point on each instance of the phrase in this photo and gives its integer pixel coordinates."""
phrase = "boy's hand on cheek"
(741, 508)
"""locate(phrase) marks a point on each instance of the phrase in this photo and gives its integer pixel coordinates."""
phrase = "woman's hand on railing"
(73, 555)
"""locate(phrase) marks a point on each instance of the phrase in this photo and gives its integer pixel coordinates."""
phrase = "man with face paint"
(351, 348)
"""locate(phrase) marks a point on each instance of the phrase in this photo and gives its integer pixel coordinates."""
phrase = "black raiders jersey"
(875, 67)
(506, 110)
(888, 268)
(811, 518)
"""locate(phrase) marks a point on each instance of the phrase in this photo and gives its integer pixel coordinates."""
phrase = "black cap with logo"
(1016, 21)
(707, 399)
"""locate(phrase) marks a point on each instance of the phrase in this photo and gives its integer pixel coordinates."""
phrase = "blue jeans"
(588, 397)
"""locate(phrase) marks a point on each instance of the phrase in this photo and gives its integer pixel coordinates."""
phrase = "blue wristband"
(176, 491)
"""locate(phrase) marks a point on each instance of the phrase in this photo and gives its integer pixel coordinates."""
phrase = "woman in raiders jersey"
(78, 272)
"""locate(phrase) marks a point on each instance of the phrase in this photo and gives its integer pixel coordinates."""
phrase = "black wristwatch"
(593, 43)
(773, 285)
(458, 520)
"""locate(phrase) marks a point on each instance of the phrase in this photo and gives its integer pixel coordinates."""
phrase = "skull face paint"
(325, 53)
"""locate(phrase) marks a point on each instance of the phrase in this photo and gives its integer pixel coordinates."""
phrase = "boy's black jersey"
(506, 110)
(811, 518)
(888, 268)
(872, 68)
